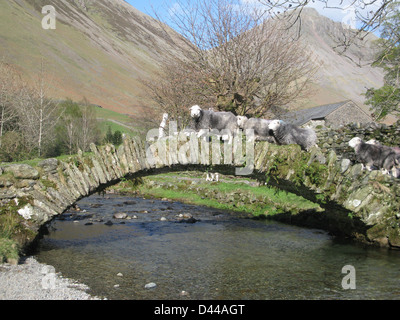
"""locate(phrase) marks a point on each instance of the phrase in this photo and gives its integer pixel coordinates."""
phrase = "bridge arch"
(47, 190)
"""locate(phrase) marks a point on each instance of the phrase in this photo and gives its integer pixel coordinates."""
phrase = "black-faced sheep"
(260, 127)
(286, 133)
(372, 155)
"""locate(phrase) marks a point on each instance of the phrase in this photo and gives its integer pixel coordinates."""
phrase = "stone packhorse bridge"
(370, 199)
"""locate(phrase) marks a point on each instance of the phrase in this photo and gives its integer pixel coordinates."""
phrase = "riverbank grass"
(9, 248)
(229, 193)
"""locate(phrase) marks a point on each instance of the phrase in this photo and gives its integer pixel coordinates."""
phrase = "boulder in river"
(150, 285)
(120, 215)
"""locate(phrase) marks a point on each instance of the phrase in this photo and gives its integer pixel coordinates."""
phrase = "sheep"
(260, 127)
(395, 149)
(286, 133)
(208, 119)
(370, 155)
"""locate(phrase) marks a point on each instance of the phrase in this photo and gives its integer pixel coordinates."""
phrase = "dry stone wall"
(337, 139)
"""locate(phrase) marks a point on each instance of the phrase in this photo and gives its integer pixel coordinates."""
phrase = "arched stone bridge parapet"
(42, 192)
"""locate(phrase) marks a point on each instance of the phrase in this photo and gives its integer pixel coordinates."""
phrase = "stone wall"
(337, 139)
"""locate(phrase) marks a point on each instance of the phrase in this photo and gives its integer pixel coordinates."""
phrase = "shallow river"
(214, 255)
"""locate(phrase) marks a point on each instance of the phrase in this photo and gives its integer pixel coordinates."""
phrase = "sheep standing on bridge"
(260, 127)
(208, 119)
(373, 155)
(395, 149)
(286, 133)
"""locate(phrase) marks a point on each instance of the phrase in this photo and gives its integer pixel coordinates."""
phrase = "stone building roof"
(301, 117)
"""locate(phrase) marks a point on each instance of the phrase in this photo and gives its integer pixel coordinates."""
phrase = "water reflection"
(221, 256)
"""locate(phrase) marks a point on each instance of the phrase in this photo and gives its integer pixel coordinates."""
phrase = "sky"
(345, 14)
(147, 6)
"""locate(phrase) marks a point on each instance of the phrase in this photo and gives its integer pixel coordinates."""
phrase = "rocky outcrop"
(37, 194)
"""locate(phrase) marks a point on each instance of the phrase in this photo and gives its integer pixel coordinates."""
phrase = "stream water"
(213, 255)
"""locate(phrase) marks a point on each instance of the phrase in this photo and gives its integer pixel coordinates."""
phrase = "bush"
(12, 147)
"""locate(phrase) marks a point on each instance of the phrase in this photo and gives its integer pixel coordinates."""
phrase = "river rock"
(150, 285)
(108, 223)
(189, 220)
(129, 202)
(120, 215)
(96, 205)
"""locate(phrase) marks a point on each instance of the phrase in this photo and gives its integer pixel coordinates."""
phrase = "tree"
(10, 86)
(68, 128)
(117, 138)
(78, 126)
(89, 130)
(109, 136)
(38, 114)
(233, 59)
(12, 147)
(114, 138)
(386, 100)
(178, 86)
(369, 15)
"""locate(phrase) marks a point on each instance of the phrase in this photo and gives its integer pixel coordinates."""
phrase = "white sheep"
(208, 119)
(260, 127)
(286, 133)
(375, 155)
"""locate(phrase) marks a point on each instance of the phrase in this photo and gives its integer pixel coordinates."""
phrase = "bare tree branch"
(234, 60)
(369, 15)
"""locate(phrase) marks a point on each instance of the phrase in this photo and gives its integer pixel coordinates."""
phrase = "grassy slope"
(76, 64)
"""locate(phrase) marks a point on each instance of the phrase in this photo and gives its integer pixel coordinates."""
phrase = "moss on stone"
(48, 184)
(15, 232)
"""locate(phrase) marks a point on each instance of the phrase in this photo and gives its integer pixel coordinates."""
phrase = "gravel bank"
(32, 280)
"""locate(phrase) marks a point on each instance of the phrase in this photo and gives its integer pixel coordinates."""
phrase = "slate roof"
(301, 117)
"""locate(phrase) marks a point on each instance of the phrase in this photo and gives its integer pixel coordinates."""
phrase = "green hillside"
(100, 50)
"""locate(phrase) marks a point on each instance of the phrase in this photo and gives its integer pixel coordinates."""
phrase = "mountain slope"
(99, 50)
(339, 77)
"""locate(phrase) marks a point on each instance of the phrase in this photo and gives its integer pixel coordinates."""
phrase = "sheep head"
(195, 111)
(355, 142)
(241, 120)
(274, 125)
